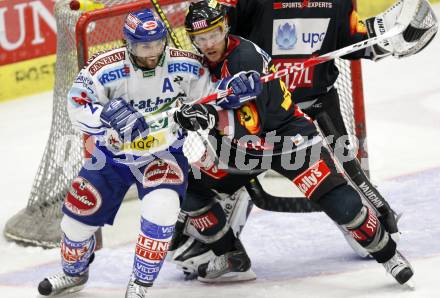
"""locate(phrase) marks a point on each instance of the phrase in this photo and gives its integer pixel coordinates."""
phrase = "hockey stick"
(359, 180)
(164, 19)
(266, 201)
(295, 68)
(312, 62)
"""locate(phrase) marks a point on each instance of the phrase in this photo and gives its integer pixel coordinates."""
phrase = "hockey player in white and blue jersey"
(111, 99)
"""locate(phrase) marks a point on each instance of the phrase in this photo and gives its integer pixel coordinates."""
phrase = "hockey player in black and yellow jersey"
(292, 31)
(269, 132)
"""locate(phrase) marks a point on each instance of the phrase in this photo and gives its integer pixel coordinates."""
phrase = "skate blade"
(396, 236)
(190, 275)
(67, 292)
(410, 285)
(231, 277)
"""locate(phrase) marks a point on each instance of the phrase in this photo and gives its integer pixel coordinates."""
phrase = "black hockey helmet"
(202, 17)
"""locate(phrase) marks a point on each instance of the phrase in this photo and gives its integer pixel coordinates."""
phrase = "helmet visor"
(147, 49)
(209, 38)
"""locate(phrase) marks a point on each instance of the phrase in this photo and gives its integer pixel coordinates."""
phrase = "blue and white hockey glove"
(126, 120)
(245, 85)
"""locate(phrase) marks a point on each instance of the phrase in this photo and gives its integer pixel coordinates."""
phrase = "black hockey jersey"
(292, 31)
(273, 111)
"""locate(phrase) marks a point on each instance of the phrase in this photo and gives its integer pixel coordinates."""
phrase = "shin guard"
(76, 255)
(151, 249)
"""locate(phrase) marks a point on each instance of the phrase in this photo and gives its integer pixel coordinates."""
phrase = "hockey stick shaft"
(268, 202)
(295, 68)
(313, 61)
(164, 19)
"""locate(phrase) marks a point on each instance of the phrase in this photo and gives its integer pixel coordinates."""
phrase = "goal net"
(80, 35)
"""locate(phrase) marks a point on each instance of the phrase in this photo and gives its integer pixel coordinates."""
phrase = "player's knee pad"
(161, 206)
(75, 230)
(341, 204)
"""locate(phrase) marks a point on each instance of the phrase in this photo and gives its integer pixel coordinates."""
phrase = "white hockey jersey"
(180, 75)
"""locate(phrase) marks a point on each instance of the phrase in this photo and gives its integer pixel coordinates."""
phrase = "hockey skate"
(62, 284)
(399, 268)
(136, 289)
(229, 267)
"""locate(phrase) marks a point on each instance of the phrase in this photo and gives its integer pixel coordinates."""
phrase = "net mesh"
(345, 86)
(38, 223)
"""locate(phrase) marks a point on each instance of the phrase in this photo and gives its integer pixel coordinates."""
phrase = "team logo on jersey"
(298, 36)
(302, 78)
(152, 105)
(85, 82)
(83, 198)
(80, 97)
(286, 36)
(302, 4)
(185, 54)
(248, 116)
(162, 172)
(177, 67)
(309, 180)
(106, 60)
(114, 74)
(145, 144)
